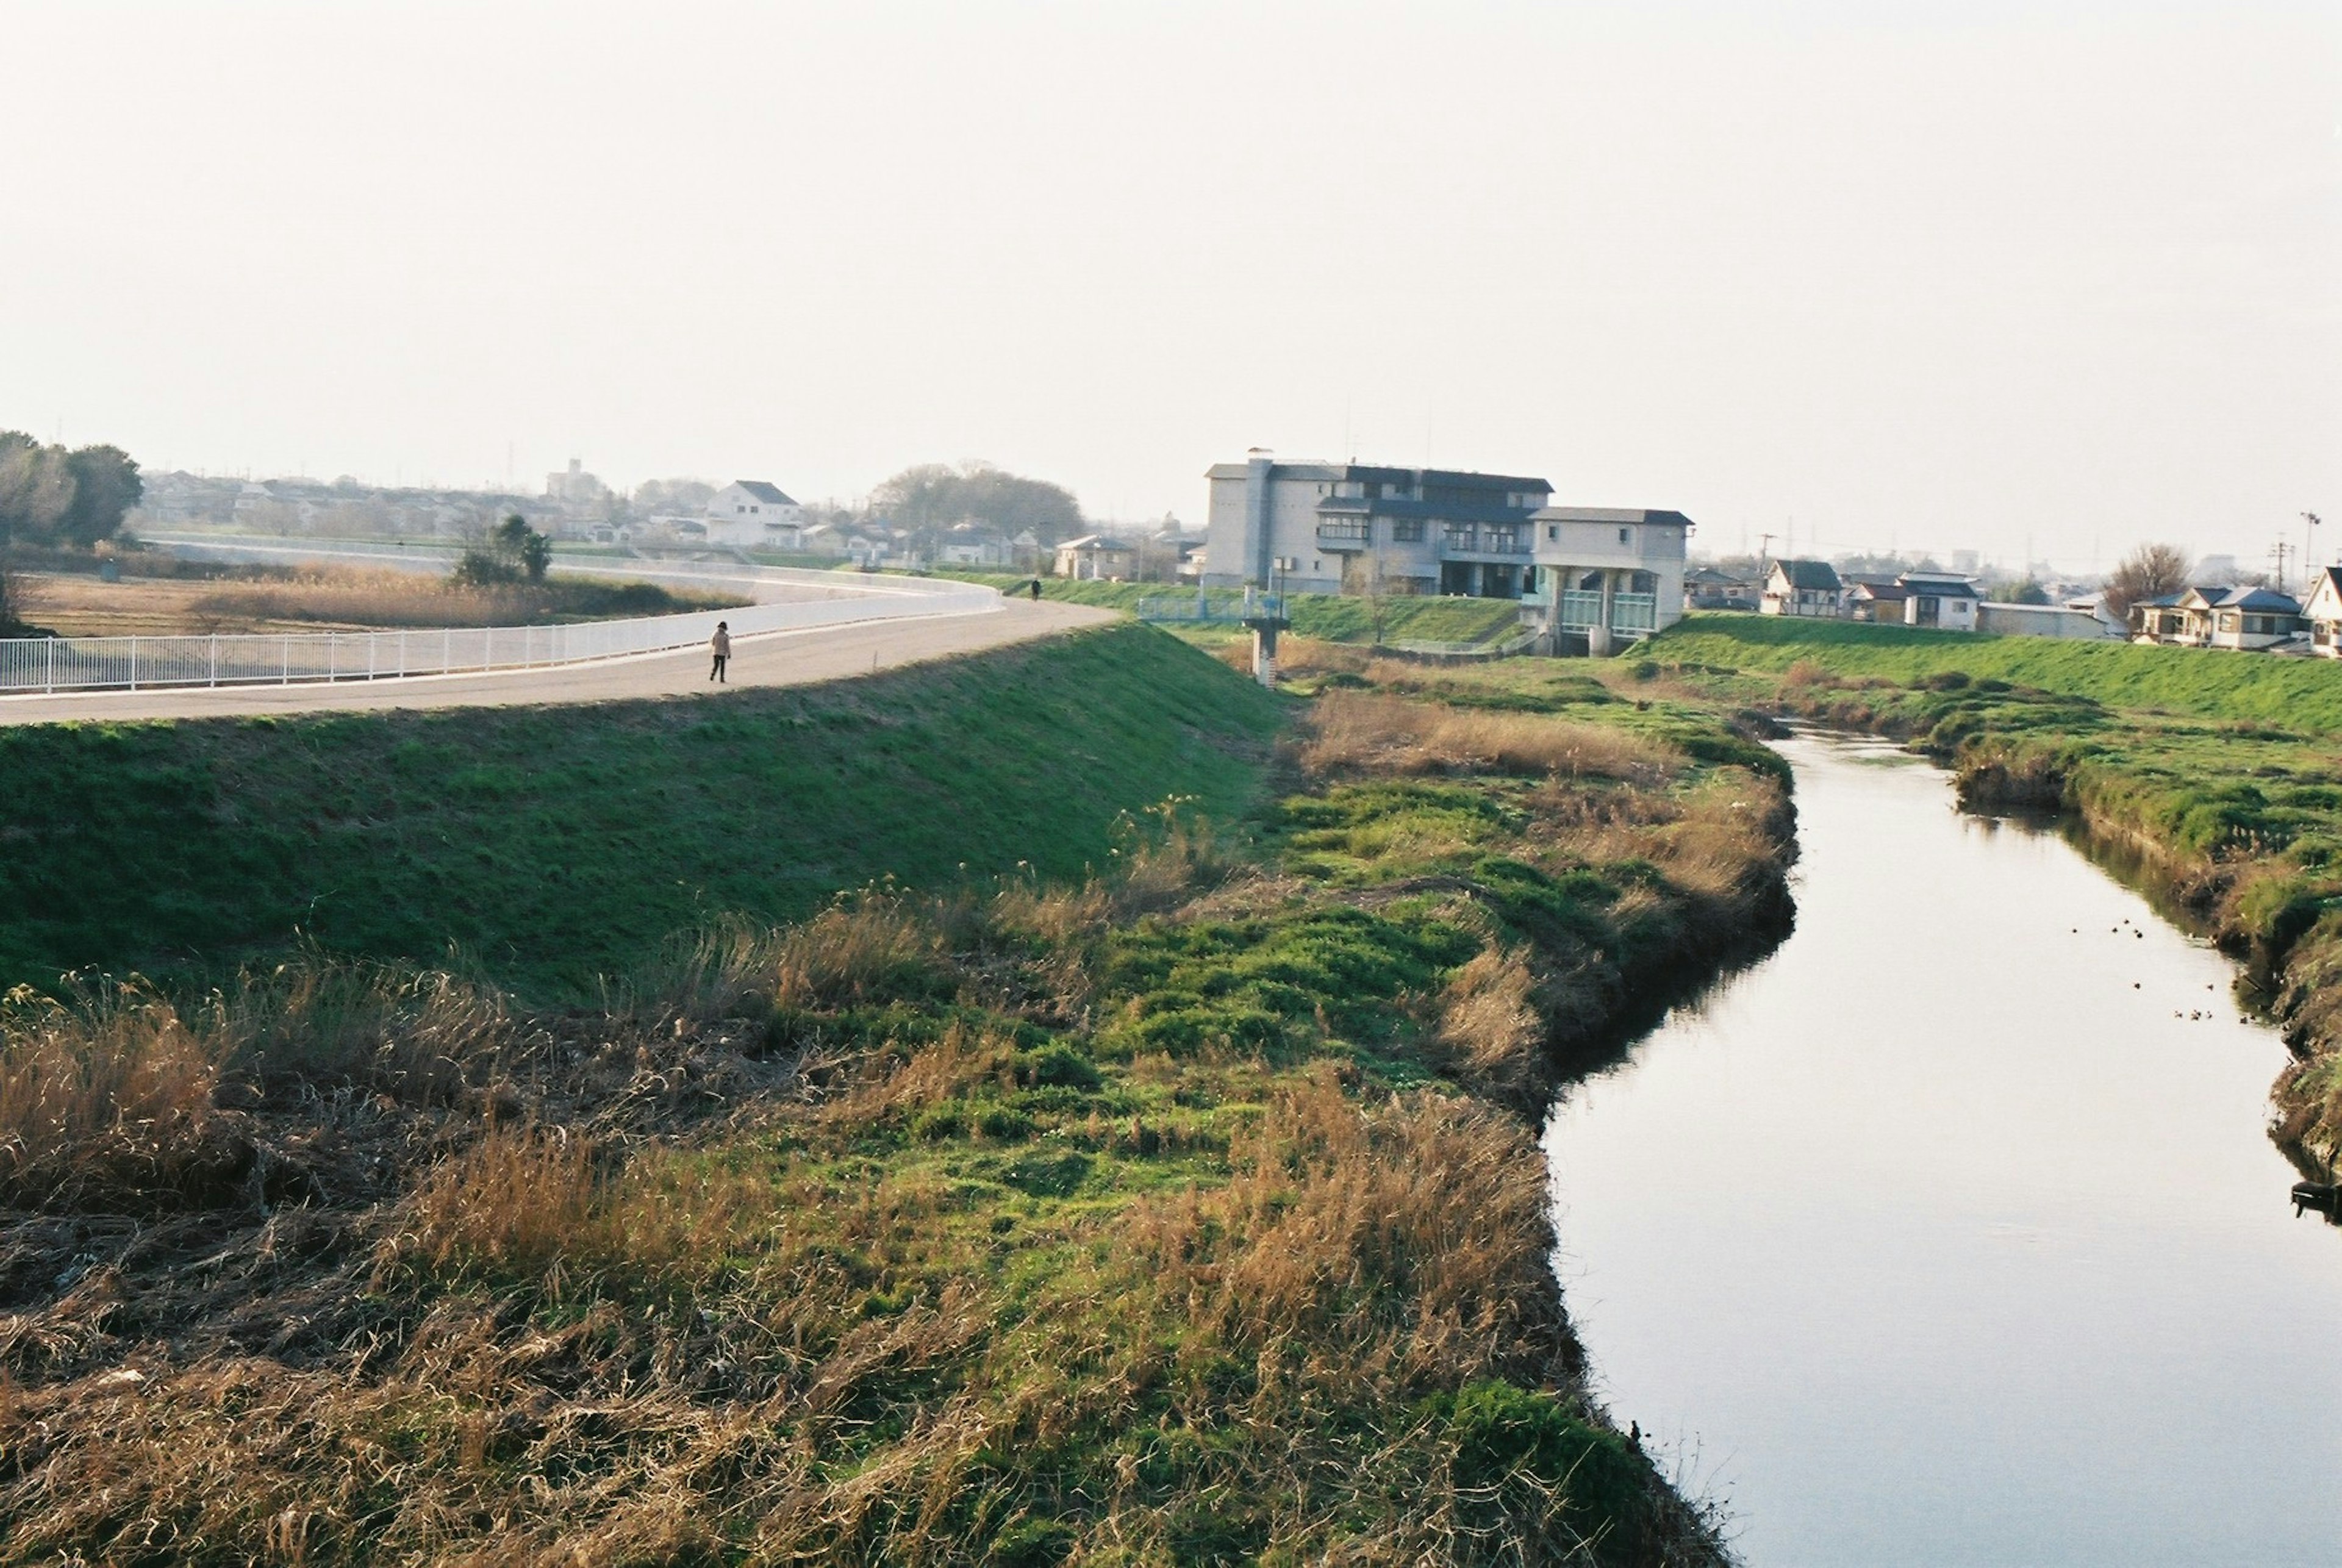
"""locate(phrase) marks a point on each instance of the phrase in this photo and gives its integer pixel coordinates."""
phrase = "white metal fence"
(29, 664)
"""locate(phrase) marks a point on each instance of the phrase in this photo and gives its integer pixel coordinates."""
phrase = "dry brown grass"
(1489, 1019)
(1406, 1242)
(1363, 732)
(110, 1098)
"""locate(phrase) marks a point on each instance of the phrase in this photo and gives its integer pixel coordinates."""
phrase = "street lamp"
(2309, 521)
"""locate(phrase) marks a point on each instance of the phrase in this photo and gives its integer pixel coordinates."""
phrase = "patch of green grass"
(556, 845)
(2300, 695)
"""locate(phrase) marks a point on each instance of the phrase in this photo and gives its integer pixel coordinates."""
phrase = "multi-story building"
(1604, 574)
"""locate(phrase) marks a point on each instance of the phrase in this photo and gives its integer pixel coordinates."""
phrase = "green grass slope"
(2303, 694)
(556, 844)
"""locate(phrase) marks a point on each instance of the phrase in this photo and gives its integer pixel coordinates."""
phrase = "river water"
(1949, 1234)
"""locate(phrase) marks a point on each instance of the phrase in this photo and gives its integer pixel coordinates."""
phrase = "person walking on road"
(720, 645)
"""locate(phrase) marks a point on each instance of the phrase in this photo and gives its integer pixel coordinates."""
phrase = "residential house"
(1098, 557)
(1945, 600)
(2249, 618)
(1803, 588)
(1878, 600)
(972, 544)
(2323, 611)
(1713, 588)
(2162, 619)
(752, 514)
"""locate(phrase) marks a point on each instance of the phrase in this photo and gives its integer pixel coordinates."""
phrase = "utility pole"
(2280, 551)
(1764, 550)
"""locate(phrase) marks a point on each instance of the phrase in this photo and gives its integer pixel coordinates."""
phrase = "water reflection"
(1949, 1234)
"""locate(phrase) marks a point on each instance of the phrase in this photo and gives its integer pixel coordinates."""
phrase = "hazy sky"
(1933, 275)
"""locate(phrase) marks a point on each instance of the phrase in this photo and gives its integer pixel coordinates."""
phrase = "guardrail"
(49, 664)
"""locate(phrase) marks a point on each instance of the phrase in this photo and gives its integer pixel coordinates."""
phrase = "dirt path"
(774, 659)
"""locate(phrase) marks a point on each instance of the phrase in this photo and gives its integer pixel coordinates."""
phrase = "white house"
(1097, 556)
(2245, 618)
(1802, 588)
(751, 513)
(1945, 600)
(2323, 611)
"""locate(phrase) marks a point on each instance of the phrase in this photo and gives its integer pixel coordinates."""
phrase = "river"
(1950, 1233)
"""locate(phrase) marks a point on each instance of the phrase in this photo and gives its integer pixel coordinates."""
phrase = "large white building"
(752, 514)
(1608, 574)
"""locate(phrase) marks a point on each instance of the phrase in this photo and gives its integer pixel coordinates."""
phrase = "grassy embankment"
(2223, 770)
(1326, 617)
(1185, 1212)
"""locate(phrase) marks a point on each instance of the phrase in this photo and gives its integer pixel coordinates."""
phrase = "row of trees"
(50, 495)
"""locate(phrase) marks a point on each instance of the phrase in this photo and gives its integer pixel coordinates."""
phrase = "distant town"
(1589, 579)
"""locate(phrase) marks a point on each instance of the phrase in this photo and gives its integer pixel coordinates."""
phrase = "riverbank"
(2239, 819)
(1188, 1211)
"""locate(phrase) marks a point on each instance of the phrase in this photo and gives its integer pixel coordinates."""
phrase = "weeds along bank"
(1182, 1212)
(2240, 819)
(555, 847)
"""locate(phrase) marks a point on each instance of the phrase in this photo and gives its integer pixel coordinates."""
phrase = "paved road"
(772, 659)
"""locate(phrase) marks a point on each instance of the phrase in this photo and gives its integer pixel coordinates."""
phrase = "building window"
(1553, 530)
(1626, 535)
(1406, 530)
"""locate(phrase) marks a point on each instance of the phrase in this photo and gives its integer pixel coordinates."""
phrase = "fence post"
(284, 675)
(332, 646)
(211, 653)
(49, 683)
(446, 650)
(134, 662)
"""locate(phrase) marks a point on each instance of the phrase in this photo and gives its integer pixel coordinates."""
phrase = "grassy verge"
(1179, 1213)
(2238, 818)
(556, 845)
(2299, 695)
(1329, 617)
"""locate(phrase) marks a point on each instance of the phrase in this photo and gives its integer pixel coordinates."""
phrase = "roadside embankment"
(1182, 1211)
(2240, 819)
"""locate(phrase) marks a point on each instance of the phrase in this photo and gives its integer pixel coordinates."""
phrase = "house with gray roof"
(2322, 612)
(754, 514)
(1803, 588)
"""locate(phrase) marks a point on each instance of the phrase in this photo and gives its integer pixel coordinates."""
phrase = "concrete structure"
(1608, 574)
(2323, 611)
(1945, 600)
(2044, 621)
(1803, 588)
(752, 514)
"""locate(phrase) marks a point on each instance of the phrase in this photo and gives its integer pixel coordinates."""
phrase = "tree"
(2027, 591)
(512, 552)
(934, 496)
(2148, 572)
(37, 489)
(106, 487)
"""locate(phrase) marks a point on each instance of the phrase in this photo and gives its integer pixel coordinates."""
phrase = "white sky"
(1929, 275)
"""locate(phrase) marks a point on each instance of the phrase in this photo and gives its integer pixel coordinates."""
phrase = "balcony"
(1344, 533)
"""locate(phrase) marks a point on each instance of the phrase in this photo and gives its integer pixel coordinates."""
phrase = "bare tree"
(2148, 572)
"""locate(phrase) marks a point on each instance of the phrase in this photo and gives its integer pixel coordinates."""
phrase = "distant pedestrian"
(720, 645)
(1037, 590)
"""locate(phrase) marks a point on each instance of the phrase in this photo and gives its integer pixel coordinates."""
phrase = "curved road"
(772, 659)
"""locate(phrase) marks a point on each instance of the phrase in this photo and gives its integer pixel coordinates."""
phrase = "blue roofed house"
(2245, 618)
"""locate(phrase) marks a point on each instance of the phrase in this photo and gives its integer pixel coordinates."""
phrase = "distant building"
(1098, 557)
(752, 514)
(575, 490)
(1602, 574)
(2081, 622)
(1878, 600)
(1803, 588)
(1945, 600)
(1713, 588)
(2216, 616)
(2323, 611)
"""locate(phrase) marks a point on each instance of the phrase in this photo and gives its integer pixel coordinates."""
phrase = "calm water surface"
(1948, 1235)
